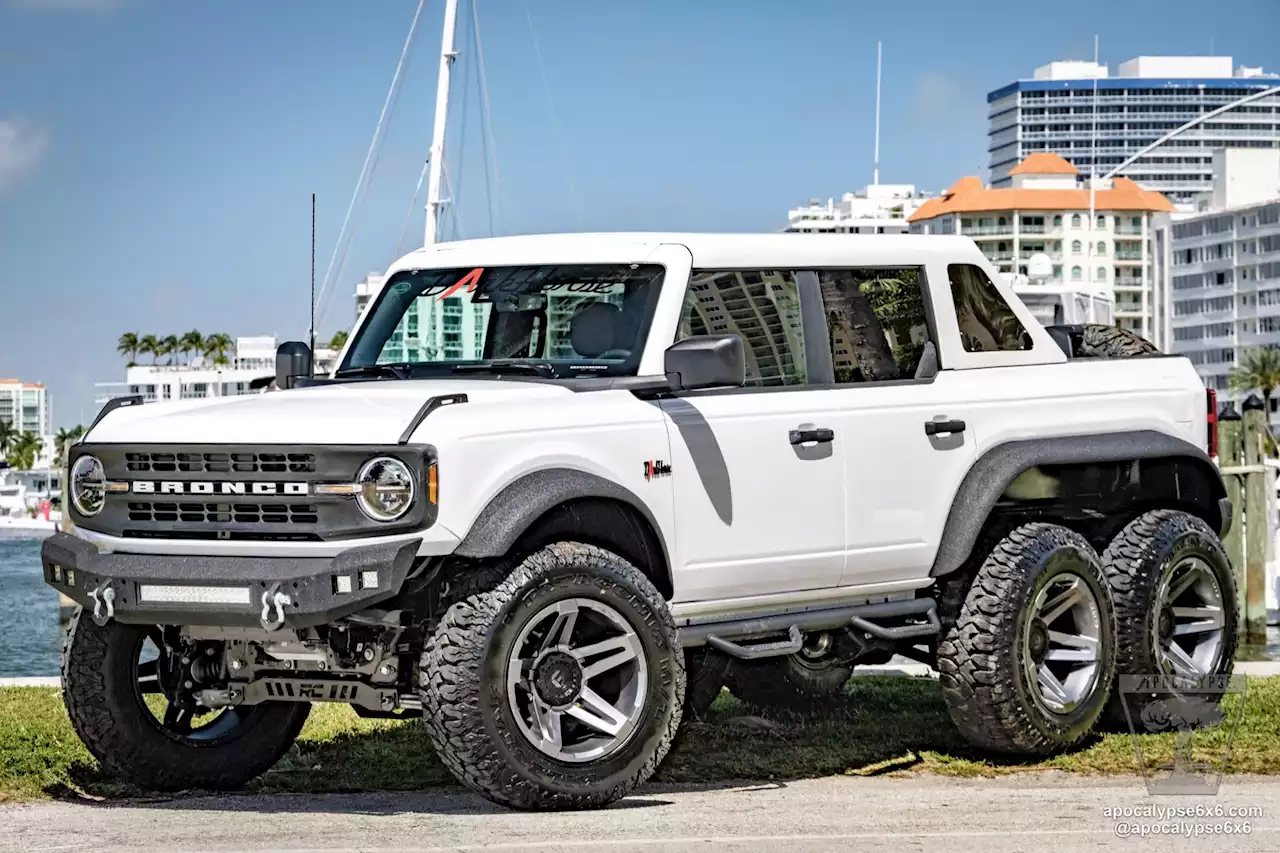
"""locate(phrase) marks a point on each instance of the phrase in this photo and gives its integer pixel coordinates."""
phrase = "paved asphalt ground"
(1033, 812)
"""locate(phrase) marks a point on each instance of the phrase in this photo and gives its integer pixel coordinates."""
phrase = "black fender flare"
(522, 502)
(992, 473)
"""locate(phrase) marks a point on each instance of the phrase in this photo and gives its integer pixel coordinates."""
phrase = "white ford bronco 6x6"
(557, 483)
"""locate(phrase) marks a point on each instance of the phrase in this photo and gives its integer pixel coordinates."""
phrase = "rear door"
(908, 429)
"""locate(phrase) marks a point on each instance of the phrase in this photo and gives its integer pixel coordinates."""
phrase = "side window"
(876, 321)
(761, 307)
(987, 323)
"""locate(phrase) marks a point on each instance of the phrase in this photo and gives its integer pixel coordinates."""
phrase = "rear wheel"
(112, 685)
(561, 688)
(1027, 654)
(1175, 598)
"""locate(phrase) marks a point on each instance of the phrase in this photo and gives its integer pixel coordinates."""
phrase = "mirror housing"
(706, 361)
(293, 362)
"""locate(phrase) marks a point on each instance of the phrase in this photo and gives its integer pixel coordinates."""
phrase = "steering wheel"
(615, 353)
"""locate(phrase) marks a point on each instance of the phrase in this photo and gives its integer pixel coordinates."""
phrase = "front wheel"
(561, 688)
(111, 681)
(1027, 654)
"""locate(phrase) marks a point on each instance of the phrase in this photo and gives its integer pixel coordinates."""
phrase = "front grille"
(224, 463)
(164, 512)
(200, 506)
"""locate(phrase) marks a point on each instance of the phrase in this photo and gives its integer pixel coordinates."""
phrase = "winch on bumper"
(269, 593)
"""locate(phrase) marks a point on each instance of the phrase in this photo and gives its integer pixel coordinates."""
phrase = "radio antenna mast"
(875, 169)
(313, 275)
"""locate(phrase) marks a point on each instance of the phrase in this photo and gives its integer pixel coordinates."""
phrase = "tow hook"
(108, 597)
(277, 599)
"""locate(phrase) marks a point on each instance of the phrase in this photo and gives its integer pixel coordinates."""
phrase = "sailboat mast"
(436, 165)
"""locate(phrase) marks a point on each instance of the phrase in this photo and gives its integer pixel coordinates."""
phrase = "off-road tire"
(707, 672)
(102, 699)
(979, 656)
(1102, 341)
(791, 684)
(1134, 562)
(463, 683)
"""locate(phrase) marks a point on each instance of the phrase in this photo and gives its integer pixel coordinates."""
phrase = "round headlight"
(88, 485)
(386, 489)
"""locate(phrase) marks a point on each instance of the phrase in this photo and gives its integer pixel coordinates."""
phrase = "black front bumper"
(156, 589)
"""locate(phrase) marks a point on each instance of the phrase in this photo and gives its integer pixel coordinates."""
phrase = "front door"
(758, 471)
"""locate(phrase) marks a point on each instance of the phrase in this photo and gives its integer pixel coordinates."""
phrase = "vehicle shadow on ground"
(885, 725)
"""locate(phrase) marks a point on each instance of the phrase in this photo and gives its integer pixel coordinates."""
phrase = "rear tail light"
(1211, 417)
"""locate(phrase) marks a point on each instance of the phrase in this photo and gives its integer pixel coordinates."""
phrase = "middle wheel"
(812, 679)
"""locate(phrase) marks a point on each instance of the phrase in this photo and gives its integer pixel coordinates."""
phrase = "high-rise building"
(1221, 268)
(1098, 241)
(25, 406)
(1058, 111)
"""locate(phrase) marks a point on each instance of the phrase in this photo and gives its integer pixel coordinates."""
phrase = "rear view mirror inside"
(518, 302)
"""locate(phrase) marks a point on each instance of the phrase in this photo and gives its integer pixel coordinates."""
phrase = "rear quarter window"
(987, 323)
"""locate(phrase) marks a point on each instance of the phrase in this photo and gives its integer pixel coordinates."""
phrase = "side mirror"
(293, 360)
(706, 361)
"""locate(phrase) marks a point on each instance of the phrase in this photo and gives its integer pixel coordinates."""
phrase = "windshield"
(556, 321)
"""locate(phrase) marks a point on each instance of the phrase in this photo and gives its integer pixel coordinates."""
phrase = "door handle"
(936, 427)
(821, 435)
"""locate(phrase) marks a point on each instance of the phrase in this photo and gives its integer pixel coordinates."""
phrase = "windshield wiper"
(508, 366)
(399, 370)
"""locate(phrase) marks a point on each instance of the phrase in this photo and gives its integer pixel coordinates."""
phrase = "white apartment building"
(254, 358)
(1097, 242)
(1222, 265)
(1057, 111)
(874, 209)
(25, 406)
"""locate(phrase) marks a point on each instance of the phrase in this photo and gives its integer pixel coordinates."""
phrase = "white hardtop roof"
(709, 250)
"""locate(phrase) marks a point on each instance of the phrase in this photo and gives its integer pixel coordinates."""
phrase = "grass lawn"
(890, 725)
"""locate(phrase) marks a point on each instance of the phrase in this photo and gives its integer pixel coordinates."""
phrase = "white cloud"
(935, 95)
(22, 144)
(58, 5)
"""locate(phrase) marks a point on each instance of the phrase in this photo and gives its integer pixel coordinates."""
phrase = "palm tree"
(64, 439)
(23, 452)
(1259, 369)
(171, 347)
(149, 345)
(8, 435)
(216, 346)
(128, 346)
(338, 341)
(192, 343)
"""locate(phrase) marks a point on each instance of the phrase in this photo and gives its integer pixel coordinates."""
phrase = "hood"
(351, 413)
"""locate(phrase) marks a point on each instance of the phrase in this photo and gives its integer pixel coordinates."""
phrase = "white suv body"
(815, 485)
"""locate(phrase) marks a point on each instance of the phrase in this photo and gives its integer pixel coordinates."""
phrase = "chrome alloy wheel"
(1187, 620)
(577, 680)
(1060, 646)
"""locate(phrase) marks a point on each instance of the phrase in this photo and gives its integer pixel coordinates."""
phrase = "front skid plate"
(302, 690)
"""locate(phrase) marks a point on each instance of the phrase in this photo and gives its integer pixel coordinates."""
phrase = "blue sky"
(157, 158)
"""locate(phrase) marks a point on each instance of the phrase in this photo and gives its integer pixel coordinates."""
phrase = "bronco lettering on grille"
(153, 487)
